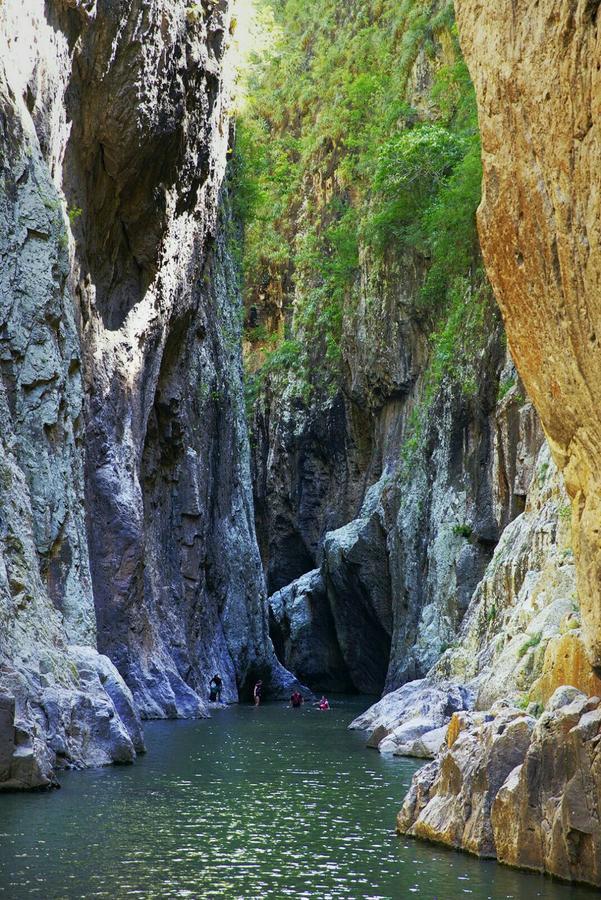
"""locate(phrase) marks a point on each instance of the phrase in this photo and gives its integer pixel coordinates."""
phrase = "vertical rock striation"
(537, 72)
(126, 515)
(62, 702)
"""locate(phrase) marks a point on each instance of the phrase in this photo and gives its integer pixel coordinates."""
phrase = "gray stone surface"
(412, 720)
(126, 519)
(525, 599)
(304, 634)
(356, 575)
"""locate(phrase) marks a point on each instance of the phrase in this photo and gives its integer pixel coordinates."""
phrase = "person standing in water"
(215, 687)
(296, 700)
(258, 692)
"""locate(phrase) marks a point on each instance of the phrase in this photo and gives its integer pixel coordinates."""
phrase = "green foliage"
(462, 530)
(504, 388)
(74, 213)
(195, 12)
(411, 169)
(285, 357)
(332, 164)
(542, 474)
(532, 642)
(565, 513)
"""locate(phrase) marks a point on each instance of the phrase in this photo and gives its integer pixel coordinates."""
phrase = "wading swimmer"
(215, 688)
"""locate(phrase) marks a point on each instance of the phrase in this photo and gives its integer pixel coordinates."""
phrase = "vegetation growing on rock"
(335, 167)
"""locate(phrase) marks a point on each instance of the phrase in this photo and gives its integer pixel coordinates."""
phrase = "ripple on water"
(256, 805)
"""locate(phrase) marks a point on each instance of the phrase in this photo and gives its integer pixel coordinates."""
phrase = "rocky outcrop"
(402, 538)
(56, 711)
(413, 720)
(524, 791)
(525, 600)
(74, 712)
(450, 801)
(168, 485)
(304, 634)
(126, 514)
(537, 77)
(400, 576)
(546, 815)
(357, 579)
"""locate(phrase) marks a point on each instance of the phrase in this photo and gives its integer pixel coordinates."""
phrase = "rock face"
(357, 579)
(537, 77)
(521, 636)
(402, 540)
(525, 601)
(450, 801)
(522, 790)
(546, 816)
(304, 634)
(126, 514)
(413, 720)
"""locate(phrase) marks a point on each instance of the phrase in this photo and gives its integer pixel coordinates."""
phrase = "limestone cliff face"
(524, 791)
(401, 537)
(537, 72)
(62, 702)
(533, 803)
(396, 573)
(127, 519)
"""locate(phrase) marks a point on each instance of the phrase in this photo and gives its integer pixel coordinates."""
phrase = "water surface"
(253, 804)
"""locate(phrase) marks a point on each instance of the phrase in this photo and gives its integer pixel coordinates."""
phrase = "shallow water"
(267, 803)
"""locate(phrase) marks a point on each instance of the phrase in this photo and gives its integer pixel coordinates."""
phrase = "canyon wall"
(521, 787)
(383, 478)
(127, 524)
(537, 72)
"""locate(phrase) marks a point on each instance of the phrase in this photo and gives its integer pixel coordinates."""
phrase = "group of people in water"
(296, 700)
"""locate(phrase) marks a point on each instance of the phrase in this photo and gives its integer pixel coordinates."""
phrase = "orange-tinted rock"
(537, 72)
(566, 662)
(449, 802)
(546, 815)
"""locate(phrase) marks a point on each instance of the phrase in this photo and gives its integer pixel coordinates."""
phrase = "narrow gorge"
(298, 384)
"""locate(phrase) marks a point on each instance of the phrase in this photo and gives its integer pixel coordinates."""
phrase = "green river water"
(252, 804)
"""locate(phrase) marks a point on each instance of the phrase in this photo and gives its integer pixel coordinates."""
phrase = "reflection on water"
(267, 803)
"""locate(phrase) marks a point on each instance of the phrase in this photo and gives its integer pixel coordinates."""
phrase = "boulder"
(357, 579)
(525, 791)
(304, 636)
(412, 720)
(451, 802)
(546, 815)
